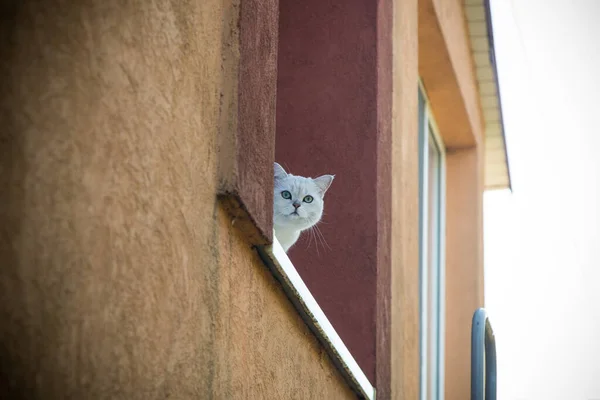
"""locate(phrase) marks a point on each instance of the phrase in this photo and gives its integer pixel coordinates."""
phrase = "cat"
(297, 204)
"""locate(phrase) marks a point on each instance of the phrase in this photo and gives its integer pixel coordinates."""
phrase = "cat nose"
(296, 204)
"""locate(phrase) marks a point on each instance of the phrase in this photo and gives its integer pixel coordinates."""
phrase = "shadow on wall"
(15, 333)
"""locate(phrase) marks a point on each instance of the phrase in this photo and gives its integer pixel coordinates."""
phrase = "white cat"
(297, 204)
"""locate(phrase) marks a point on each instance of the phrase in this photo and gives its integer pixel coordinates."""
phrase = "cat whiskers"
(315, 232)
(311, 234)
(320, 234)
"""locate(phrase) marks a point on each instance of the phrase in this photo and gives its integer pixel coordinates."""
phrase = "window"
(327, 122)
(431, 254)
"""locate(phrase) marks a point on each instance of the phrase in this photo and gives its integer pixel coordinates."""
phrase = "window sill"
(280, 265)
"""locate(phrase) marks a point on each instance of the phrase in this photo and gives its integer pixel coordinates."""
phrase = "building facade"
(138, 142)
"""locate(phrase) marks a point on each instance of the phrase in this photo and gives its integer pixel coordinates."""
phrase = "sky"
(542, 241)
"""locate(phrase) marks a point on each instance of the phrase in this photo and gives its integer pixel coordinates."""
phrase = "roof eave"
(492, 55)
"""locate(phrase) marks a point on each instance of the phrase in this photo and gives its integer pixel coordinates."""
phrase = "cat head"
(298, 201)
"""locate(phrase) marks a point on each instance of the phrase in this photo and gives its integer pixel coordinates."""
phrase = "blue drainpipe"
(483, 358)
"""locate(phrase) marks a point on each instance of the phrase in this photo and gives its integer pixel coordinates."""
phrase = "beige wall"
(405, 364)
(464, 264)
(121, 276)
(447, 71)
(446, 67)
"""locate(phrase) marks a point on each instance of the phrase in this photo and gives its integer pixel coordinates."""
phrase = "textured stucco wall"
(404, 278)
(121, 277)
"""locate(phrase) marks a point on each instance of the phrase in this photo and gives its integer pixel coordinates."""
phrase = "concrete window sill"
(280, 265)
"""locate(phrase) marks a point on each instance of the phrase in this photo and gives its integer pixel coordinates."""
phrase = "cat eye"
(286, 195)
(308, 199)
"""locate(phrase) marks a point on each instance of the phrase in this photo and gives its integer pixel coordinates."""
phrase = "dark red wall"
(327, 123)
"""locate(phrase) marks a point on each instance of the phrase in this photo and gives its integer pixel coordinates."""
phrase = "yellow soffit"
(497, 172)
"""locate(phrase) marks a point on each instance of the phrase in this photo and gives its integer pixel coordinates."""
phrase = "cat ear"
(279, 172)
(323, 182)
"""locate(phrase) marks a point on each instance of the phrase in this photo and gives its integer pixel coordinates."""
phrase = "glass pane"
(433, 265)
(423, 211)
(430, 265)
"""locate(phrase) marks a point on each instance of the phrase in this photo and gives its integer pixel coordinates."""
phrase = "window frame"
(429, 133)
